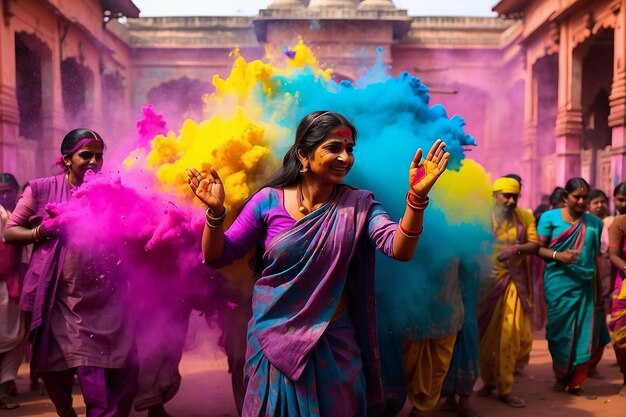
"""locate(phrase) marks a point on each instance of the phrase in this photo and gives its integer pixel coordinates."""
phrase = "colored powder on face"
(344, 132)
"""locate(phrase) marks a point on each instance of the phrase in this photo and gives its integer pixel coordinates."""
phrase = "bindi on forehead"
(344, 132)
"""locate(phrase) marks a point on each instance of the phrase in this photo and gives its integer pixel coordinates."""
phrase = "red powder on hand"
(418, 174)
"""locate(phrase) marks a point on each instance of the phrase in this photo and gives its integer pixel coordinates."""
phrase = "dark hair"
(75, 136)
(515, 177)
(312, 130)
(597, 193)
(575, 183)
(557, 196)
(620, 189)
(6, 178)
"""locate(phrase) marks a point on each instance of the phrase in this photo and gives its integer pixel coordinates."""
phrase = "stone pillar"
(617, 98)
(9, 112)
(529, 141)
(568, 129)
(54, 126)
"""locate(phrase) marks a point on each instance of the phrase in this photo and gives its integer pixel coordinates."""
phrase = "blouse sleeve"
(381, 230)
(245, 231)
(24, 209)
(545, 228)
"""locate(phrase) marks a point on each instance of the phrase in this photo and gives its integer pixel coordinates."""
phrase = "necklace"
(67, 176)
(299, 200)
(570, 220)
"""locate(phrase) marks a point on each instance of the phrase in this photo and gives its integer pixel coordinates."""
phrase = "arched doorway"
(28, 70)
(597, 74)
(76, 82)
(33, 81)
(113, 85)
(180, 99)
(546, 77)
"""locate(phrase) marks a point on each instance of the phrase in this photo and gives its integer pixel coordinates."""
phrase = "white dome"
(377, 5)
(285, 4)
(327, 4)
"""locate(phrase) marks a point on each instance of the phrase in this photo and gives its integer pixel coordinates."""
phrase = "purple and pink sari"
(617, 324)
(312, 345)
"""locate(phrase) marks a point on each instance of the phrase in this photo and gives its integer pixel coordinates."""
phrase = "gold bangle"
(554, 255)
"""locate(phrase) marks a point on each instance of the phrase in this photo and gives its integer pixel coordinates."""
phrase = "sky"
(251, 7)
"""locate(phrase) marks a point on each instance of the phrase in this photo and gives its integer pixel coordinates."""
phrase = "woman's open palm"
(209, 189)
(424, 174)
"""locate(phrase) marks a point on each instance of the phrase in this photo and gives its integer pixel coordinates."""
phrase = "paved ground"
(206, 392)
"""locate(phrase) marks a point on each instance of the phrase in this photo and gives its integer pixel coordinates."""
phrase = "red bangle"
(408, 233)
(416, 202)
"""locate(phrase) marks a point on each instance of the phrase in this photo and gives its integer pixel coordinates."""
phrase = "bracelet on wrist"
(212, 221)
(36, 235)
(554, 255)
(416, 202)
(408, 233)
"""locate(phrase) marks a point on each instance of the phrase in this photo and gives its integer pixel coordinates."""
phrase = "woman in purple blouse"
(312, 348)
(75, 297)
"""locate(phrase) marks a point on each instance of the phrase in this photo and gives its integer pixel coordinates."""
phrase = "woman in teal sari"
(312, 344)
(571, 243)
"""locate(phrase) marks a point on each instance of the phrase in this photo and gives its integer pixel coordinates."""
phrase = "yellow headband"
(506, 185)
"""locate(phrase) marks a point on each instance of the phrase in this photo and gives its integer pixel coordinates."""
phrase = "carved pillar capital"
(617, 101)
(569, 122)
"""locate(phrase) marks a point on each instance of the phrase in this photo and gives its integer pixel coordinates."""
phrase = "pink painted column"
(568, 139)
(9, 113)
(617, 99)
(568, 129)
(529, 141)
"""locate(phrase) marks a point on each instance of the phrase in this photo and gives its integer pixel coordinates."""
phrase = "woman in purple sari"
(75, 296)
(312, 345)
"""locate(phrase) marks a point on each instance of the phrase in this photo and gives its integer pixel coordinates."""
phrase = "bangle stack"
(35, 234)
(212, 221)
(407, 233)
(416, 202)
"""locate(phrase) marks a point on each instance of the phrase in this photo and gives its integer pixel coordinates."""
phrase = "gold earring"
(304, 169)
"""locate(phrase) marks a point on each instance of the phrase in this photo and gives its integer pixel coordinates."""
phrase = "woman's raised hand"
(424, 174)
(209, 189)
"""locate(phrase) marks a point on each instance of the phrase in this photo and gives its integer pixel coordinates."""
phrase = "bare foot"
(622, 391)
(580, 393)
(512, 401)
(485, 391)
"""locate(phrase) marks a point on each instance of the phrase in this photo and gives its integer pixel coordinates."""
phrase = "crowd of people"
(311, 347)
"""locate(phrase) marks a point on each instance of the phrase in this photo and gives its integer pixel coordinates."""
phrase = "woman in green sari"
(571, 242)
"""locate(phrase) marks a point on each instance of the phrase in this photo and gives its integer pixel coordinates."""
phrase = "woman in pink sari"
(312, 343)
(617, 251)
